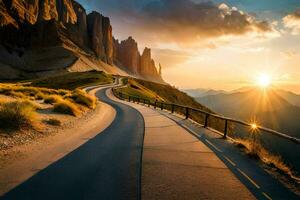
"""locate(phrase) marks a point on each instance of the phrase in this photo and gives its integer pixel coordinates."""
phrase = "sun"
(264, 80)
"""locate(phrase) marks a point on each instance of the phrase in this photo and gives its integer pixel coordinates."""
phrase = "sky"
(219, 44)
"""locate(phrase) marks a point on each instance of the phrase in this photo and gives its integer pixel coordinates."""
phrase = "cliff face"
(100, 32)
(29, 28)
(128, 55)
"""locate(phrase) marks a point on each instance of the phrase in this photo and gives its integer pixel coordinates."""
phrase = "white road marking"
(267, 196)
(213, 146)
(230, 161)
(185, 126)
(246, 176)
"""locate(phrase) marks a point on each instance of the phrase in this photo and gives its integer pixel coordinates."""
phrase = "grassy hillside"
(166, 93)
(73, 80)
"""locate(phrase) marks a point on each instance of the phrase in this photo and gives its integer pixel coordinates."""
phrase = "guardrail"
(186, 111)
(277, 143)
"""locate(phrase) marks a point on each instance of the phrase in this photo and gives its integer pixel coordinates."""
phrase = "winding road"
(106, 167)
(180, 160)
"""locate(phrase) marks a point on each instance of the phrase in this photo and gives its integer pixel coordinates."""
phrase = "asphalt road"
(106, 167)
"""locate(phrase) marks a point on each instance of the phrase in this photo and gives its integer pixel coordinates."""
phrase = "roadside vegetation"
(20, 104)
(17, 114)
(73, 80)
(256, 151)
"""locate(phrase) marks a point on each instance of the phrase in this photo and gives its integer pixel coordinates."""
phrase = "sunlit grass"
(66, 107)
(257, 151)
(81, 97)
(17, 114)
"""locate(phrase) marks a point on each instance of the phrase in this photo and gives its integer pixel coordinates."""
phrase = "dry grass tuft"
(81, 97)
(66, 107)
(257, 151)
(16, 115)
(53, 122)
(51, 99)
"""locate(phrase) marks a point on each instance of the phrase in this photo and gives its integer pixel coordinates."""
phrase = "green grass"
(73, 80)
(19, 114)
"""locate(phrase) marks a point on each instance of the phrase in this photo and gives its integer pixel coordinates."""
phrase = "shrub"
(66, 107)
(18, 95)
(81, 97)
(39, 96)
(53, 122)
(62, 92)
(51, 99)
(17, 114)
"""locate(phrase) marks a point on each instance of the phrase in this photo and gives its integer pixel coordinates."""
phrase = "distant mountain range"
(201, 92)
(274, 108)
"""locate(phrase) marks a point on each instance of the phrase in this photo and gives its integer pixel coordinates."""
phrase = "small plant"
(81, 97)
(53, 122)
(66, 107)
(17, 115)
(51, 99)
(39, 96)
(18, 95)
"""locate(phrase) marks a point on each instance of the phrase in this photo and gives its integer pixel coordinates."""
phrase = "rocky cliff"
(128, 55)
(52, 35)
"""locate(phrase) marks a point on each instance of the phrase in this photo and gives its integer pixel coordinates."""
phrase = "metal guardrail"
(187, 110)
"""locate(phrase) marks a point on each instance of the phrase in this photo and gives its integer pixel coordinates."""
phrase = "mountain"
(201, 92)
(41, 37)
(269, 107)
(290, 97)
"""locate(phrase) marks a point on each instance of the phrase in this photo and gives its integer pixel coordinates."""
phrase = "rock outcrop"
(100, 32)
(33, 32)
(143, 66)
(128, 55)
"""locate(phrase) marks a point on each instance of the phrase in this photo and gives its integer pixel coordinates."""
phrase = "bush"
(39, 96)
(66, 107)
(18, 95)
(51, 99)
(81, 97)
(17, 114)
(53, 122)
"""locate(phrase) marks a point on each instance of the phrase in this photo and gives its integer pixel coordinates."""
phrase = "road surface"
(106, 167)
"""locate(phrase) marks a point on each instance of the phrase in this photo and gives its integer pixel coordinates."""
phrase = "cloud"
(170, 57)
(183, 22)
(292, 22)
(187, 20)
(288, 54)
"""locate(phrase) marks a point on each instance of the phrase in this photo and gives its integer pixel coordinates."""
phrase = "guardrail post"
(225, 128)
(129, 98)
(173, 108)
(186, 112)
(138, 99)
(161, 106)
(155, 104)
(206, 120)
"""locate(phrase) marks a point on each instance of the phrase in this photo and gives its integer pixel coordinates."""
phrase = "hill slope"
(269, 108)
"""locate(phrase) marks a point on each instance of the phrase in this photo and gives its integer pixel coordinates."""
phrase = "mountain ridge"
(51, 36)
